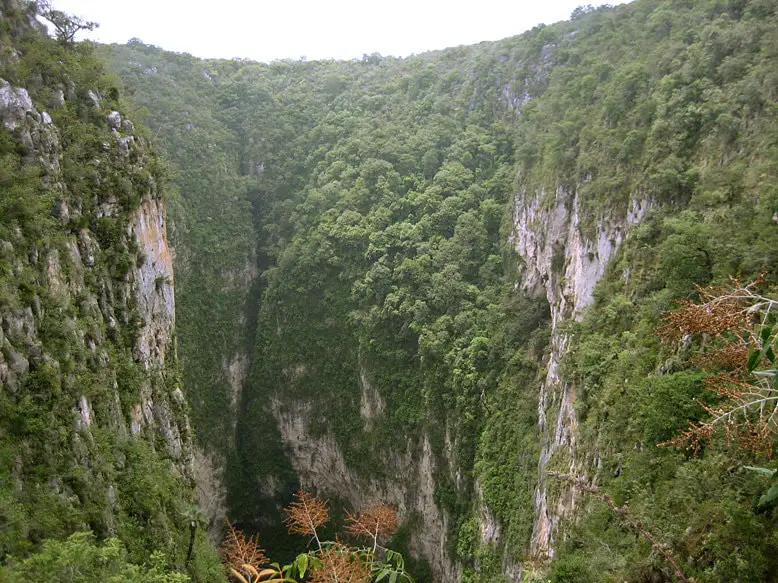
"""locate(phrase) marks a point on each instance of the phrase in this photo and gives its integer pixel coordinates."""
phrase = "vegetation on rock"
(346, 277)
(358, 215)
(93, 430)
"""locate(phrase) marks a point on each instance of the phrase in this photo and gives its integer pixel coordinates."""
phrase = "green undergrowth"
(378, 202)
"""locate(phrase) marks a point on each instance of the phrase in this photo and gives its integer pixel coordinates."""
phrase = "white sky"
(265, 30)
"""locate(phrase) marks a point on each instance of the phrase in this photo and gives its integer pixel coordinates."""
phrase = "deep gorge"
(433, 281)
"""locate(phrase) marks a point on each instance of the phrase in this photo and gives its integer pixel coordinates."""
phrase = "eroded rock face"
(564, 264)
(15, 104)
(371, 403)
(75, 277)
(152, 289)
(153, 283)
(320, 464)
(236, 371)
(211, 492)
(114, 120)
(236, 362)
(57, 99)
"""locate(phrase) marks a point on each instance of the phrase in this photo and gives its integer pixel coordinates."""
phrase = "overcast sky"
(265, 30)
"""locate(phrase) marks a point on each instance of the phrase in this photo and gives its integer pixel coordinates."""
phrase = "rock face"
(100, 275)
(563, 260)
(15, 103)
(153, 288)
(409, 485)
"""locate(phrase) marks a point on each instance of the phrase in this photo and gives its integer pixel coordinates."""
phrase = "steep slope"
(677, 124)
(292, 138)
(453, 273)
(93, 427)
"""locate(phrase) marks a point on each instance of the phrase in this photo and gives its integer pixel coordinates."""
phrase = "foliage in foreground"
(81, 559)
(328, 561)
(741, 342)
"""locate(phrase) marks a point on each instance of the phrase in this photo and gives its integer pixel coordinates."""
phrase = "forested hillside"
(96, 477)
(434, 280)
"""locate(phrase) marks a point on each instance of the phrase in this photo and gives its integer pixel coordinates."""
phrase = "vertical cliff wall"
(72, 270)
(93, 294)
(408, 484)
(563, 263)
(95, 434)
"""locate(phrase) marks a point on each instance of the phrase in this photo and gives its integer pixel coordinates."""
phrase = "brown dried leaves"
(241, 553)
(374, 523)
(306, 514)
(719, 310)
(339, 564)
(734, 320)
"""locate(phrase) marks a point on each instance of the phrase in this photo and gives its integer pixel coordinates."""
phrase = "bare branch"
(374, 523)
(240, 553)
(65, 26)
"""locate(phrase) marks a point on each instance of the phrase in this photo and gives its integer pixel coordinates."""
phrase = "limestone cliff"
(351, 318)
(563, 261)
(89, 379)
(65, 266)
(408, 482)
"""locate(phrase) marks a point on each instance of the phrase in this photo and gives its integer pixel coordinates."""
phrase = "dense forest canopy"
(384, 275)
(358, 216)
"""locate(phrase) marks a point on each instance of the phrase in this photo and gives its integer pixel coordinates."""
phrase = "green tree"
(80, 559)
